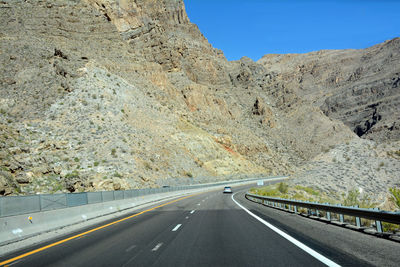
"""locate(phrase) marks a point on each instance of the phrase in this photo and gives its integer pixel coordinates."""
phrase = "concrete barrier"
(14, 228)
(20, 227)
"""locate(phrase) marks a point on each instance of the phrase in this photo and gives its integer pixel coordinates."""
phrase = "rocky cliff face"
(358, 87)
(102, 94)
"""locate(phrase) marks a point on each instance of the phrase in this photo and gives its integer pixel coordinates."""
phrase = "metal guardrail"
(372, 214)
(18, 205)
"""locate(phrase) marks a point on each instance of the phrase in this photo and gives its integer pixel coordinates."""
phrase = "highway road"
(211, 229)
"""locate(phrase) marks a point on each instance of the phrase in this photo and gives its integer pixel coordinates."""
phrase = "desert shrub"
(395, 196)
(390, 227)
(74, 174)
(353, 198)
(283, 187)
(116, 174)
(147, 166)
(309, 190)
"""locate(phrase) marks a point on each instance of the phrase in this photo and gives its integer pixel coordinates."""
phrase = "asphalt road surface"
(211, 229)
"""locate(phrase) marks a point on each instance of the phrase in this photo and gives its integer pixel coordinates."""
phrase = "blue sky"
(254, 28)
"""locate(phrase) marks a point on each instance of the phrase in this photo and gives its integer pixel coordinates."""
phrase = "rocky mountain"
(361, 88)
(102, 94)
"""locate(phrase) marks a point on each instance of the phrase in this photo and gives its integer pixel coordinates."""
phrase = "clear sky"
(254, 28)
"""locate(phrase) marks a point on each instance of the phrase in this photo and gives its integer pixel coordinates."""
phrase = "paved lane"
(205, 229)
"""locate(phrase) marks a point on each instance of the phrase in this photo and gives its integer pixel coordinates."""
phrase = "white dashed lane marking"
(192, 211)
(130, 248)
(157, 247)
(176, 227)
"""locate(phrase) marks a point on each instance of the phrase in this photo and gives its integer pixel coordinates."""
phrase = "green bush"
(283, 187)
(116, 174)
(395, 196)
(352, 198)
(74, 174)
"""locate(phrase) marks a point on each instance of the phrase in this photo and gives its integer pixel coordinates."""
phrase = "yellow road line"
(88, 232)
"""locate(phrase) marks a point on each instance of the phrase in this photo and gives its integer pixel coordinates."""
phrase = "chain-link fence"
(17, 205)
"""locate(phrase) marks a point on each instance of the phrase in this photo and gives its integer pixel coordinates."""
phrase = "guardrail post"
(341, 218)
(378, 224)
(358, 221)
(328, 215)
(317, 211)
(295, 209)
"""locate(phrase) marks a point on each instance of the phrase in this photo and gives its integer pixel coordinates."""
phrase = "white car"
(227, 189)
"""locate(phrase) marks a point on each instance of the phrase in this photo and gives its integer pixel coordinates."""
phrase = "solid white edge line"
(176, 227)
(307, 249)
